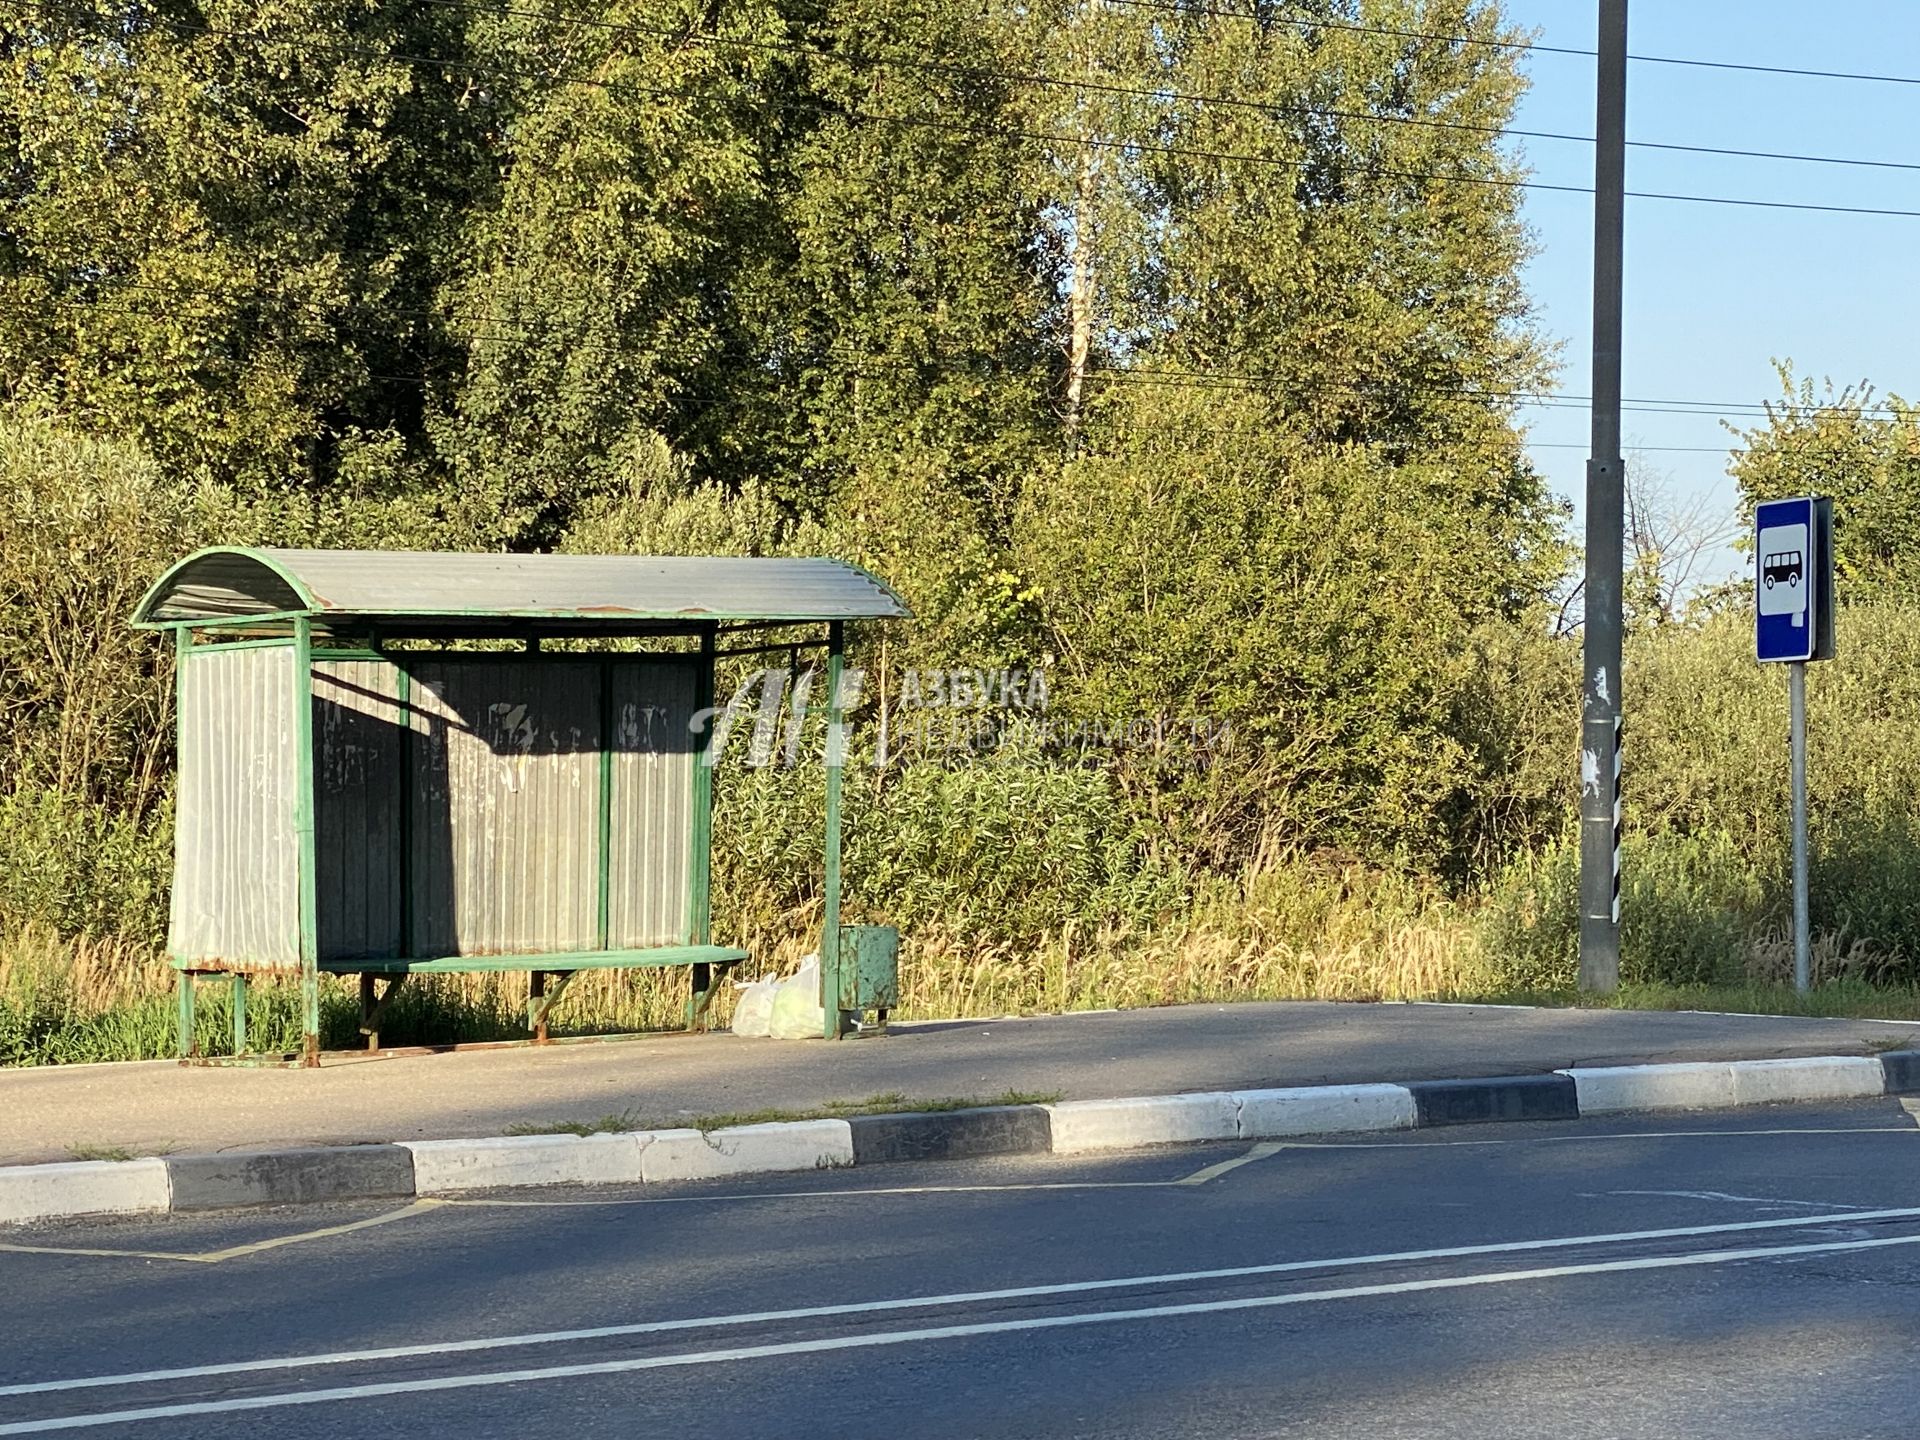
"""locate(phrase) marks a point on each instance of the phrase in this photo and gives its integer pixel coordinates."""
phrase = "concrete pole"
(1606, 522)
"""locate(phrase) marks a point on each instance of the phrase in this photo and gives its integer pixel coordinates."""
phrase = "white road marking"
(938, 1332)
(1214, 1172)
(235, 1252)
(1800, 1130)
(1738, 1199)
(928, 1302)
(833, 1194)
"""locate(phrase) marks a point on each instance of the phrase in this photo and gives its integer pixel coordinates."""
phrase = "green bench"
(548, 979)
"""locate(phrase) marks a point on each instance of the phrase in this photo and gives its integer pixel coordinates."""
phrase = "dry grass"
(88, 999)
(1120, 966)
(1272, 935)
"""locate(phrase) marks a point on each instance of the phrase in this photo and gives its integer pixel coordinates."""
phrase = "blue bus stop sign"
(1792, 579)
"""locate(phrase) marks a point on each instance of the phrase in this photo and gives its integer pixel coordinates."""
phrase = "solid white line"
(928, 1302)
(1599, 1139)
(938, 1332)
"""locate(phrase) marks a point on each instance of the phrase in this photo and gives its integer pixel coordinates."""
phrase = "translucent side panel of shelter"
(650, 850)
(356, 799)
(505, 809)
(236, 889)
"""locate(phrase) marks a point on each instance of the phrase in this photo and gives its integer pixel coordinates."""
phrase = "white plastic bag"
(753, 1009)
(797, 1012)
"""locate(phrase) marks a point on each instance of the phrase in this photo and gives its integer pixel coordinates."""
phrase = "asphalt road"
(1754, 1273)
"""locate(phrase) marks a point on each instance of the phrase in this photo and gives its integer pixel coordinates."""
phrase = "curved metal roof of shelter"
(232, 584)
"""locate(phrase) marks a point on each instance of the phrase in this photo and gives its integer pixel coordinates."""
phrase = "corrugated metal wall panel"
(356, 796)
(506, 792)
(650, 850)
(236, 888)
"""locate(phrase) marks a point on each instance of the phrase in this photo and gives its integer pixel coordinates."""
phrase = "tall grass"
(1281, 931)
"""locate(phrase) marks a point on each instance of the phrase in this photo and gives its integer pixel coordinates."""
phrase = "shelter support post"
(834, 1024)
(183, 1007)
(237, 986)
(183, 993)
(603, 839)
(700, 860)
(303, 830)
(700, 865)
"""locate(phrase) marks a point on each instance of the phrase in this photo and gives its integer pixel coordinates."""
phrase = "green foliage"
(1862, 452)
(1001, 848)
(1686, 909)
(1210, 568)
(226, 222)
(86, 525)
(1193, 405)
(1706, 733)
(81, 867)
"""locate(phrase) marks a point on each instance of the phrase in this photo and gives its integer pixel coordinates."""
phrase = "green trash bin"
(869, 972)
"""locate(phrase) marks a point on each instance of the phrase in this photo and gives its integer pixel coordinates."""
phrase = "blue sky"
(1715, 293)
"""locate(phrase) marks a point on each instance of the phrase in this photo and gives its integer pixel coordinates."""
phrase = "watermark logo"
(945, 715)
(973, 689)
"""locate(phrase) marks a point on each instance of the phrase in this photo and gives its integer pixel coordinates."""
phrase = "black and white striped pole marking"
(1618, 813)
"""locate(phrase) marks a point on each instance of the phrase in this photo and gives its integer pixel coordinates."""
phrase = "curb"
(1075, 1127)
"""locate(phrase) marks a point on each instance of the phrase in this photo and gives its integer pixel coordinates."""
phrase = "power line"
(504, 328)
(1162, 94)
(1631, 448)
(1137, 146)
(1174, 7)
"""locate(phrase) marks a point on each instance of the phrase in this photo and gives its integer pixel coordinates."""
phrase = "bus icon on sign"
(1783, 572)
(1784, 568)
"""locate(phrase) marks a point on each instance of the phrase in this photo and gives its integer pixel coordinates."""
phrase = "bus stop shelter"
(398, 763)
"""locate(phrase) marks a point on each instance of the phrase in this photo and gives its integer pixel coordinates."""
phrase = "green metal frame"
(603, 839)
(700, 870)
(304, 841)
(835, 1020)
(551, 961)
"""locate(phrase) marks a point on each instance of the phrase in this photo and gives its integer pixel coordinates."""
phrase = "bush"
(1010, 847)
(83, 869)
(1688, 905)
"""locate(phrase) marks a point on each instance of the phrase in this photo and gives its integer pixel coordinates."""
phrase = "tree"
(1670, 540)
(225, 224)
(1862, 452)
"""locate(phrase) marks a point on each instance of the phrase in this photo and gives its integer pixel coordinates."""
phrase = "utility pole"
(1606, 522)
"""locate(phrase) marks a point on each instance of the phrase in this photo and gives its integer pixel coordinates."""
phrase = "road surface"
(1753, 1273)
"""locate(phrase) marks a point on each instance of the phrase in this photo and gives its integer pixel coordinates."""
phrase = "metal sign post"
(1792, 624)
